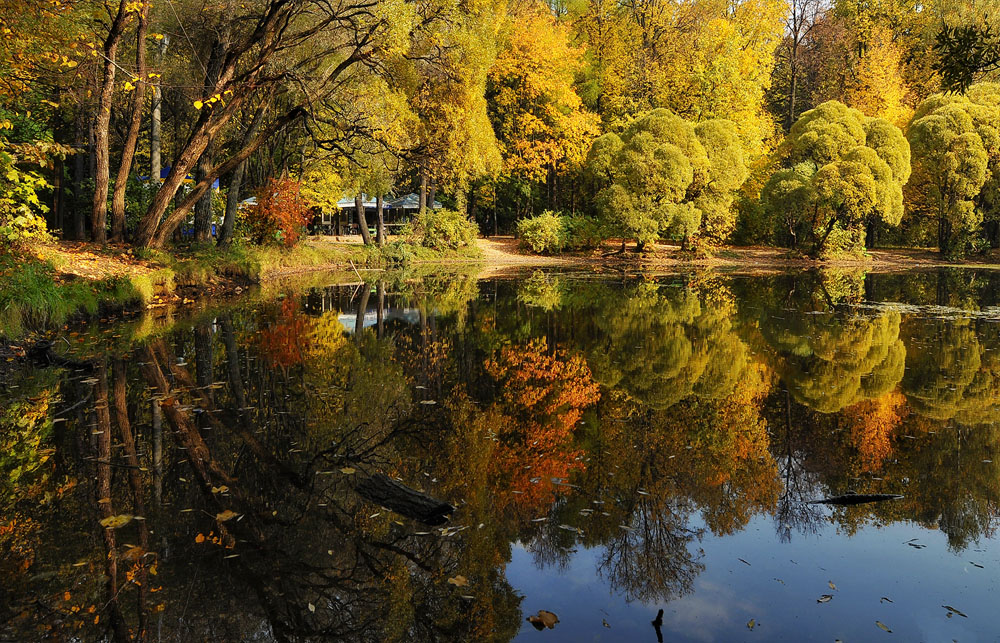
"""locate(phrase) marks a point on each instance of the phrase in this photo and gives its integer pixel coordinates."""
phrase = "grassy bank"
(64, 280)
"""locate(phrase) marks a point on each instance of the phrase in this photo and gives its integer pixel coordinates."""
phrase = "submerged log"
(857, 499)
(383, 490)
(43, 355)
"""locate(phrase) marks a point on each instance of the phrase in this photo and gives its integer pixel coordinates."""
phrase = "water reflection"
(201, 483)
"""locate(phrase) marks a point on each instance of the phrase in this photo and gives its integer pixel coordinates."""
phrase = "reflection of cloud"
(712, 607)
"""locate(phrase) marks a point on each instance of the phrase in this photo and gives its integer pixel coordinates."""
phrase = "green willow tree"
(665, 176)
(842, 173)
(956, 146)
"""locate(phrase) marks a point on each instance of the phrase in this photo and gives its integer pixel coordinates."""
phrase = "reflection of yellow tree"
(829, 361)
(661, 346)
(954, 375)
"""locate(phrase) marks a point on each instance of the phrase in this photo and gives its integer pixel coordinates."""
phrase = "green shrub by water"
(551, 232)
(443, 230)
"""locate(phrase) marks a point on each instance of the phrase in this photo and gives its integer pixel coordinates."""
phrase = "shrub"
(21, 211)
(443, 230)
(551, 233)
(278, 216)
(545, 233)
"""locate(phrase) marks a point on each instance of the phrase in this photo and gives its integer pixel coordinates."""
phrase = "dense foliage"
(785, 120)
(278, 215)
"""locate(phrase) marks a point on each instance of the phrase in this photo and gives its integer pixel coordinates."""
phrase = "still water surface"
(612, 447)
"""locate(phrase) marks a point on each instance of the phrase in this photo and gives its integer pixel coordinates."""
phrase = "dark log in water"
(857, 499)
(383, 490)
(41, 354)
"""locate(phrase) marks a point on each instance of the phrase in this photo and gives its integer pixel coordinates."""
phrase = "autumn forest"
(823, 126)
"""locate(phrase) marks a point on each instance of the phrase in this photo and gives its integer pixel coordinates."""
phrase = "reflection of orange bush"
(872, 423)
(544, 396)
(282, 342)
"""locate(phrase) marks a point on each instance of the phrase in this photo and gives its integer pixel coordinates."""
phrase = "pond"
(608, 446)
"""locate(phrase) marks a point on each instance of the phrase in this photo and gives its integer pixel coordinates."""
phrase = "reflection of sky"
(350, 320)
(876, 562)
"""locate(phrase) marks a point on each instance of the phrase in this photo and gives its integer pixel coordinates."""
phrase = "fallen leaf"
(312, 608)
(348, 470)
(222, 489)
(604, 622)
(825, 598)
(459, 581)
(544, 619)
(200, 538)
(883, 626)
(885, 599)
(750, 624)
(114, 522)
(228, 514)
(832, 586)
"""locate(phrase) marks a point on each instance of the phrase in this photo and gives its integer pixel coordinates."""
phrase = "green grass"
(31, 298)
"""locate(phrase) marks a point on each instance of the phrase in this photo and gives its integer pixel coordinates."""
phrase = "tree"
(659, 178)
(842, 171)
(955, 147)
(541, 126)
(966, 53)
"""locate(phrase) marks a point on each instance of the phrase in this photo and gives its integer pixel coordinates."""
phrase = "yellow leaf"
(200, 538)
(228, 514)
(348, 470)
(198, 104)
(459, 581)
(114, 522)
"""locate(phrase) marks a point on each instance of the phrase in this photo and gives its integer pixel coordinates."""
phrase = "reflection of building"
(350, 320)
(395, 212)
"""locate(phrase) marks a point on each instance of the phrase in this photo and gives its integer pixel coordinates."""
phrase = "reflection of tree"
(652, 560)
(954, 373)
(832, 360)
(543, 395)
(661, 346)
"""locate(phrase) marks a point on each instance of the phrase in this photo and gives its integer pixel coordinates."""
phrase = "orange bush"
(279, 215)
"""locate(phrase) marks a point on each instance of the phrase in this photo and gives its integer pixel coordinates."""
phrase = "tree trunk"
(98, 223)
(155, 135)
(128, 149)
(423, 193)
(432, 194)
(225, 236)
(380, 226)
(203, 209)
(79, 171)
(359, 209)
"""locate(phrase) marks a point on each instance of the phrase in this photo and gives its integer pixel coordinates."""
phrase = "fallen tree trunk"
(383, 490)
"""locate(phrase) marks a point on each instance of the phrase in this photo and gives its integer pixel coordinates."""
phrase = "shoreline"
(85, 281)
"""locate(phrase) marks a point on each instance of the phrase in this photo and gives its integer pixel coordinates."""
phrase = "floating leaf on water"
(222, 489)
(744, 562)
(885, 599)
(952, 610)
(312, 608)
(104, 501)
(976, 565)
(428, 402)
(605, 623)
(348, 470)
(825, 598)
(223, 516)
(114, 522)
(883, 626)
(200, 538)
(133, 553)
(459, 581)
(544, 619)
(750, 624)
(832, 586)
